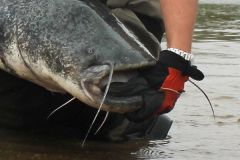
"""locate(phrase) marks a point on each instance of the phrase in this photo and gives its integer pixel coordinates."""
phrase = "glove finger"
(133, 87)
(155, 75)
(195, 73)
(152, 100)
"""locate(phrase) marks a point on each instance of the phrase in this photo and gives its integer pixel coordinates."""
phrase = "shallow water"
(194, 134)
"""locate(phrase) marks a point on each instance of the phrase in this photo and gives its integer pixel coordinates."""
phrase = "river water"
(194, 134)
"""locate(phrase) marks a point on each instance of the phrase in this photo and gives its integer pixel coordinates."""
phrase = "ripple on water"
(151, 153)
(238, 121)
(224, 123)
(155, 150)
(227, 120)
(224, 98)
(225, 116)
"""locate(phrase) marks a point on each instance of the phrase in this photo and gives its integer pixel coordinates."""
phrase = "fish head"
(73, 47)
(109, 47)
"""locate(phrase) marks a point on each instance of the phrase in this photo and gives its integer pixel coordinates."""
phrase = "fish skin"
(61, 45)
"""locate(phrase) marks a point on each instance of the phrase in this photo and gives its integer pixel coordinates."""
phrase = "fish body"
(69, 46)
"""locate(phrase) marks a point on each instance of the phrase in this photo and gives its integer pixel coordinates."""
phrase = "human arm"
(174, 66)
(179, 18)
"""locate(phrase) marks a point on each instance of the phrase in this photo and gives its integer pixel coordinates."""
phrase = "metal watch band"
(187, 56)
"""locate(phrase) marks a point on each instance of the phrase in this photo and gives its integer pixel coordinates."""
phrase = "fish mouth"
(94, 88)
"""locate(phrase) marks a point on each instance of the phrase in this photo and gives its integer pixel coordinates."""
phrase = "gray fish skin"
(69, 46)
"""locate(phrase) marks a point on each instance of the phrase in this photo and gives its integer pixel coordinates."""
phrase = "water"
(194, 134)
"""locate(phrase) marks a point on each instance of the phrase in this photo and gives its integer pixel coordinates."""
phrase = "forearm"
(179, 19)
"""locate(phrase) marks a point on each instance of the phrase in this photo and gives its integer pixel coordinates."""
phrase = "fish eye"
(90, 50)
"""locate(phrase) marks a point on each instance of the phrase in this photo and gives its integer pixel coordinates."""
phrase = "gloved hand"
(167, 77)
(160, 85)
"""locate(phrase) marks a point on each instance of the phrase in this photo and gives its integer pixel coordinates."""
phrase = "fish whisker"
(55, 110)
(85, 90)
(103, 122)
(101, 104)
(214, 116)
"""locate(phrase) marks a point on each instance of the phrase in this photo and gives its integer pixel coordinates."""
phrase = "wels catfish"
(70, 46)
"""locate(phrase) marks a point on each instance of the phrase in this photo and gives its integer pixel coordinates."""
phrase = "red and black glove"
(160, 86)
(172, 87)
(167, 77)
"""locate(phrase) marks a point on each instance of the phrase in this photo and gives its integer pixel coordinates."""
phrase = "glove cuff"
(187, 56)
(171, 59)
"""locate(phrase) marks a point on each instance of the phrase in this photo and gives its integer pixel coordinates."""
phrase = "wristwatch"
(187, 56)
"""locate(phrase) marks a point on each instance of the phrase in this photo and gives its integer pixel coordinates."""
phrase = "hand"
(169, 76)
(166, 81)
(160, 86)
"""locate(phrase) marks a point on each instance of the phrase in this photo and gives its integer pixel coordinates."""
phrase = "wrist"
(173, 60)
(186, 55)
